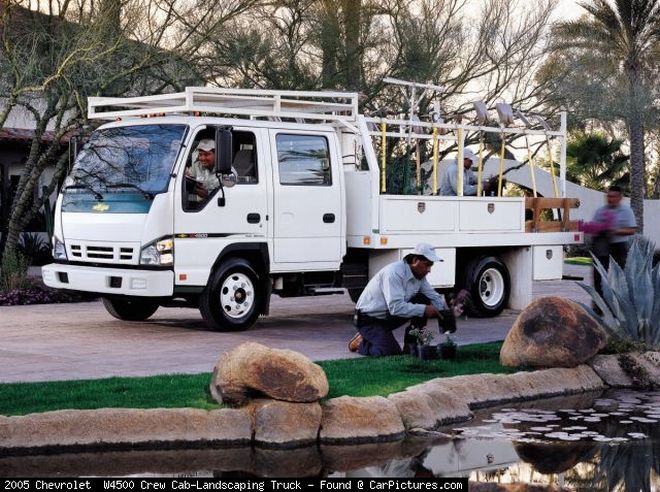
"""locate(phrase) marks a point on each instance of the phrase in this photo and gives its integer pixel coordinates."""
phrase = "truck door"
(307, 211)
(205, 225)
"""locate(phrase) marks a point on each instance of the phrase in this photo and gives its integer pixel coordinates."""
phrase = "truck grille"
(103, 253)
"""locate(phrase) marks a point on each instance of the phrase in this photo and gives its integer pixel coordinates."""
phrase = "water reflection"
(587, 442)
(608, 443)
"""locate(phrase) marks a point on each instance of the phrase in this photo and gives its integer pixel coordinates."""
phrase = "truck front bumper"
(117, 281)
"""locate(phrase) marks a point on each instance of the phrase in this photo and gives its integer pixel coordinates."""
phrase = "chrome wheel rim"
(237, 295)
(491, 287)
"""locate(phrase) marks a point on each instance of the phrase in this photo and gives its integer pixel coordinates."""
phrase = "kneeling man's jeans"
(377, 334)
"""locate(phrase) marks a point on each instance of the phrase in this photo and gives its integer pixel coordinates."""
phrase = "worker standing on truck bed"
(449, 179)
(397, 294)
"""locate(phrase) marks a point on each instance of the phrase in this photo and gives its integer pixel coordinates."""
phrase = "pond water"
(608, 441)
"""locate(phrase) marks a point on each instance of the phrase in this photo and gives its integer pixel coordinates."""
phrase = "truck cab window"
(244, 163)
(201, 182)
(304, 160)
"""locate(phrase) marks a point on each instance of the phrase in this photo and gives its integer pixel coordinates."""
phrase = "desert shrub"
(630, 304)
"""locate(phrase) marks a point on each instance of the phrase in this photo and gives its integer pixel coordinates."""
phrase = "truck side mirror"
(223, 150)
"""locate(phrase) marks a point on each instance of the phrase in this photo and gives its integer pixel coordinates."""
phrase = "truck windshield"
(126, 159)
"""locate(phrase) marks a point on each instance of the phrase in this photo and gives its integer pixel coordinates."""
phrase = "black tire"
(355, 294)
(487, 279)
(233, 297)
(130, 308)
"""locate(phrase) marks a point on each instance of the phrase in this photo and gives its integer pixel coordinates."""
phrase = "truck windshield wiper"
(146, 194)
(81, 186)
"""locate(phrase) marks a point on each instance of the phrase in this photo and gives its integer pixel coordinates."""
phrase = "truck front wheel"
(489, 285)
(130, 308)
(233, 296)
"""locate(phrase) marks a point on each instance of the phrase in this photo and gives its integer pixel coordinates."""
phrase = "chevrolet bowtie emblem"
(101, 207)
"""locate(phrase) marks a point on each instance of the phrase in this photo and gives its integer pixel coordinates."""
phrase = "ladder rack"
(306, 105)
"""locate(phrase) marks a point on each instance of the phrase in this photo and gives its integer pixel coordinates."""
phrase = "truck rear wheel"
(233, 296)
(489, 284)
(130, 308)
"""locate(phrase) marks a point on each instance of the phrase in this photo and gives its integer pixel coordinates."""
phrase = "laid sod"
(363, 376)
(367, 376)
(579, 260)
(169, 391)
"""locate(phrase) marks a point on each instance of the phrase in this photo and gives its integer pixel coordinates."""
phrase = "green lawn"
(365, 376)
(579, 260)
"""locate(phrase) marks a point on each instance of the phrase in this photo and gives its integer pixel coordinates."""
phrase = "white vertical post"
(520, 265)
(562, 154)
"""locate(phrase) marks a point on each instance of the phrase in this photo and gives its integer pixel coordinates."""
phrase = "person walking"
(611, 227)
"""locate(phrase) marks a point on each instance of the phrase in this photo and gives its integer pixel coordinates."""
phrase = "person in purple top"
(611, 227)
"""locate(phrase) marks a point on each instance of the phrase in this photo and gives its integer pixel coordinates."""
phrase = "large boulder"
(552, 332)
(252, 370)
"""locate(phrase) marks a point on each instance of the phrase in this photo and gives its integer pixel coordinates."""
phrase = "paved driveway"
(80, 341)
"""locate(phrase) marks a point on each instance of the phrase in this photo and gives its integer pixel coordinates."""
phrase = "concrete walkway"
(82, 341)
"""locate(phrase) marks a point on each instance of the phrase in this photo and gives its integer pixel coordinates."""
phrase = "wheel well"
(257, 255)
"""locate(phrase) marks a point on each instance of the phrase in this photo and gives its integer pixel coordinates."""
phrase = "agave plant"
(630, 304)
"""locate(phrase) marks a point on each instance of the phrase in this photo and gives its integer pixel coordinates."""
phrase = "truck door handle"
(328, 218)
(253, 218)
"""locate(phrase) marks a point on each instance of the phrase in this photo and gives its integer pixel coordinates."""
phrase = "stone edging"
(273, 423)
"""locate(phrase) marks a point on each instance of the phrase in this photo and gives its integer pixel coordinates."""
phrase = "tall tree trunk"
(330, 38)
(636, 134)
(637, 171)
(110, 18)
(352, 21)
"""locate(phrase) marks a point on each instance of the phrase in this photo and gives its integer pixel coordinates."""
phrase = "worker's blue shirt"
(449, 182)
(391, 289)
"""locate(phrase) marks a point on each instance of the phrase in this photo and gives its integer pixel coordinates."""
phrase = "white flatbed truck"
(300, 210)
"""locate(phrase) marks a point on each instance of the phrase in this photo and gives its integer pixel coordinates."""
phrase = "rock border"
(343, 420)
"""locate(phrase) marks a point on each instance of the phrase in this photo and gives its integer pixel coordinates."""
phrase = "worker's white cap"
(468, 154)
(206, 145)
(427, 251)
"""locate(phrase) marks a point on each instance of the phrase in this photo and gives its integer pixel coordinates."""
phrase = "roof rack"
(306, 105)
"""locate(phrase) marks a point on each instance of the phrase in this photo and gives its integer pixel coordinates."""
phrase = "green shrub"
(630, 304)
(35, 248)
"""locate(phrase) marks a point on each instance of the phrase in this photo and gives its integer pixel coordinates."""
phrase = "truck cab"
(130, 227)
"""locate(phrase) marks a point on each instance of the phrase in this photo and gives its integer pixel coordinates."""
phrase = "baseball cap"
(206, 145)
(468, 154)
(427, 251)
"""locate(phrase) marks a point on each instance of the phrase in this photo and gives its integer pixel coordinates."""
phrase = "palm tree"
(625, 34)
(596, 161)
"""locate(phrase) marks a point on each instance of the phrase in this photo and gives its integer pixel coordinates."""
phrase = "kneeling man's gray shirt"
(391, 289)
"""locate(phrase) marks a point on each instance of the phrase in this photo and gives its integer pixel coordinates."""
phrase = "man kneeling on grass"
(397, 294)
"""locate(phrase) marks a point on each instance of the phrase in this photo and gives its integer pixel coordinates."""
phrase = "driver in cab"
(202, 180)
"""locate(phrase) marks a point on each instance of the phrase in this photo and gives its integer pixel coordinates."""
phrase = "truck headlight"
(59, 251)
(159, 252)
